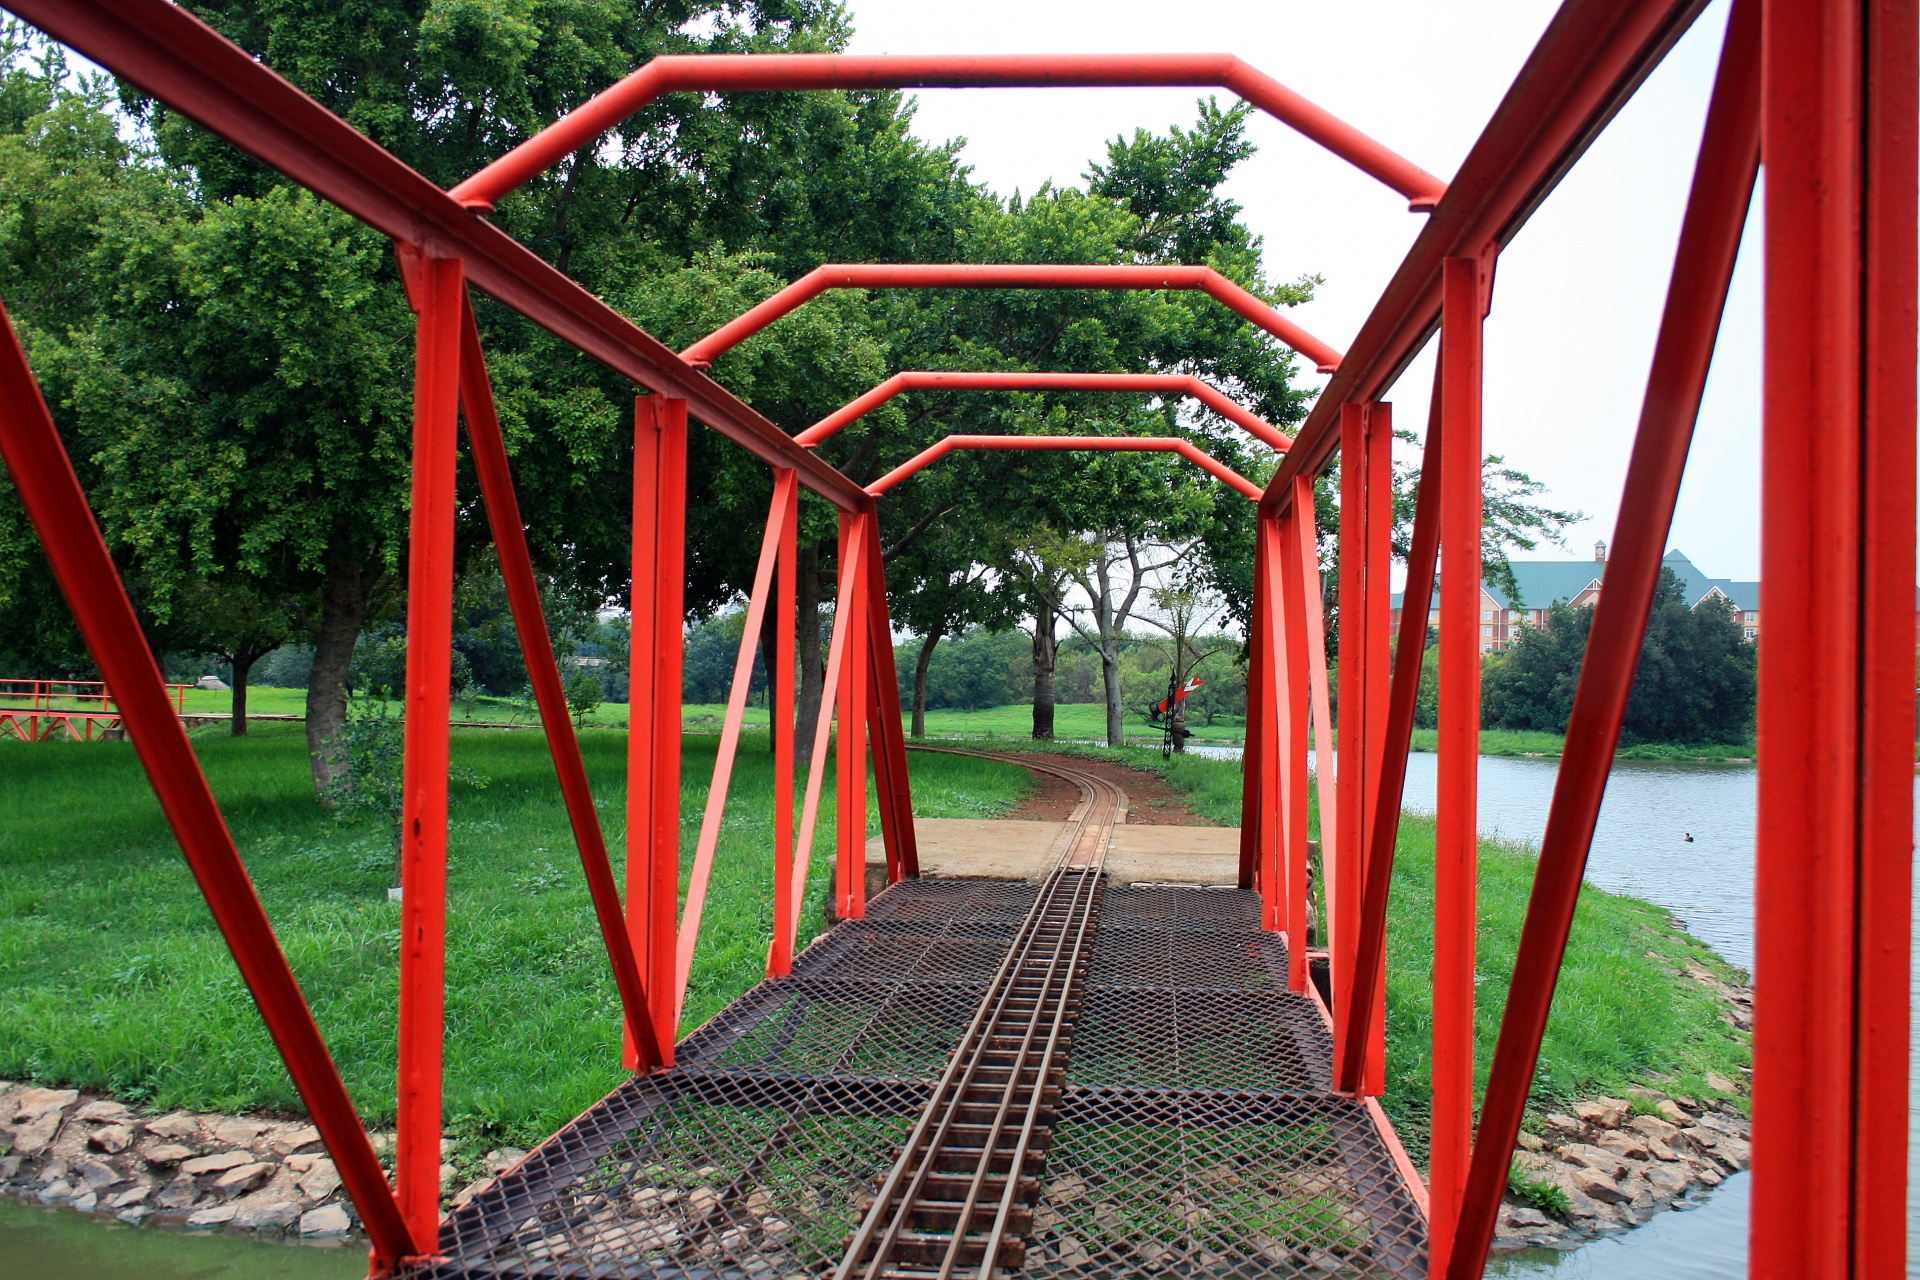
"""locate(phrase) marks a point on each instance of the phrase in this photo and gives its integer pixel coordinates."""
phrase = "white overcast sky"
(1578, 294)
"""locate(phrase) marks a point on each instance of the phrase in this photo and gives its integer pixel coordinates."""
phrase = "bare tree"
(1111, 573)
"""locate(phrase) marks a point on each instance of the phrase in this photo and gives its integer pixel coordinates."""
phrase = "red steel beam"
(1366, 516)
(1836, 723)
(543, 673)
(883, 719)
(653, 719)
(44, 478)
(1591, 58)
(1275, 752)
(1703, 267)
(843, 625)
(1292, 665)
(1009, 275)
(679, 73)
(1456, 821)
(780, 716)
(1108, 444)
(441, 297)
(1254, 809)
(709, 839)
(850, 766)
(1383, 833)
(163, 50)
(1013, 380)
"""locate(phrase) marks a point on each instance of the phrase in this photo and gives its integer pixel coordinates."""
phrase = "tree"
(239, 622)
(1113, 593)
(1696, 680)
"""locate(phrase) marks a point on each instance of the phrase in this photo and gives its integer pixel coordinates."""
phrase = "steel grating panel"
(1195, 1138)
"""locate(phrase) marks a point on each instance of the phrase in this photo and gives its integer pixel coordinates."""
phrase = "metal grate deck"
(1196, 1136)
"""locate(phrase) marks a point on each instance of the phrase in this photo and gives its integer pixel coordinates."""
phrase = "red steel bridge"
(971, 1076)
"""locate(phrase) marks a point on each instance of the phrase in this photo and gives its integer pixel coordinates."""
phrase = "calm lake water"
(1639, 848)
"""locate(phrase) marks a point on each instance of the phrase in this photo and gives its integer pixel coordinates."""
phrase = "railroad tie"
(960, 1195)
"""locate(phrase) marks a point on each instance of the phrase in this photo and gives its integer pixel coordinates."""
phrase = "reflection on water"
(59, 1244)
(1708, 1241)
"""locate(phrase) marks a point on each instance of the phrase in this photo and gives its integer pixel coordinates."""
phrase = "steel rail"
(870, 1252)
(944, 1101)
(1591, 58)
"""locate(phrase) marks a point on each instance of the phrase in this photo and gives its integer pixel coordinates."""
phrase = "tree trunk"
(813, 663)
(1110, 678)
(242, 663)
(1046, 652)
(920, 681)
(343, 608)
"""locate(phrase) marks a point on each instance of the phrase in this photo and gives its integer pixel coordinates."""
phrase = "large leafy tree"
(1695, 683)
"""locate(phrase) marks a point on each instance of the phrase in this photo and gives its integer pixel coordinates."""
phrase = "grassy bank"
(113, 977)
(1623, 1014)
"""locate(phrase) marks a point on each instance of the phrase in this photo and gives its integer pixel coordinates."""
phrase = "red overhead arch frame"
(1098, 444)
(677, 73)
(1835, 107)
(1015, 380)
(1009, 275)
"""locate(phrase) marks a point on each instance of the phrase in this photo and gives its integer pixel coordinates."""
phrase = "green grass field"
(1081, 721)
(113, 977)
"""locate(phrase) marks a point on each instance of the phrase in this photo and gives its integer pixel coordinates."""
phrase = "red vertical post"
(1836, 722)
(1456, 844)
(883, 718)
(653, 720)
(1383, 812)
(44, 478)
(1274, 889)
(780, 714)
(1303, 588)
(1344, 873)
(1293, 557)
(850, 778)
(1366, 515)
(1251, 778)
(423, 806)
(1375, 663)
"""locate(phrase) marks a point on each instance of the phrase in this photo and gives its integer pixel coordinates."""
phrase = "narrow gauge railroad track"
(961, 1193)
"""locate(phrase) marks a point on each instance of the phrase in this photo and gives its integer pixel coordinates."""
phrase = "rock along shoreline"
(1609, 1164)
(1603, 1166)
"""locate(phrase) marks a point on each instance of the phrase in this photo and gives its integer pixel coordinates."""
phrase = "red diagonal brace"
(543, 673)
(51, 493)
(883, 719)
(1703, 267)
(730, 736)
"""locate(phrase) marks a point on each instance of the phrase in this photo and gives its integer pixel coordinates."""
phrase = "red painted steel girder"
(677, 73)
(163, 50)
(1592, 57)
(1105, 444)
(1014, 380)
(1010, 275)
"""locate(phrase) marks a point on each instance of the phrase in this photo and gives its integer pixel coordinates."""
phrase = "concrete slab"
(1000, 849)
(1174, 855)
